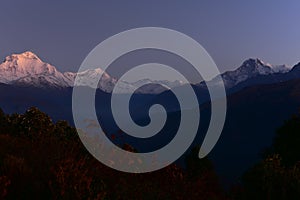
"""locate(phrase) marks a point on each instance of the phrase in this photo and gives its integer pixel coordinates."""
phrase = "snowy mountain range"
(27, 69)
(250, 68)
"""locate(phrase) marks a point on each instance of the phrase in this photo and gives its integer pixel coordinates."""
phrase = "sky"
(63, 32)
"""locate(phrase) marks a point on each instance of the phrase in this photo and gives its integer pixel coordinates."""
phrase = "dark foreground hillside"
(40, 159)
(43, 160)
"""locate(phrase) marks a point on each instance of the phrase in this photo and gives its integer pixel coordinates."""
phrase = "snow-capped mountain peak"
(27, 54)
(250, 68)
(254, 66)
(257, 65)
(25, 64)
(28, 69)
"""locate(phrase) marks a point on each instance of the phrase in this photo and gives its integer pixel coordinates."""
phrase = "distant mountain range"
(27, 69)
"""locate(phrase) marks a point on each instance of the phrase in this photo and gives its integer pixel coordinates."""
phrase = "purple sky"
(62, 32)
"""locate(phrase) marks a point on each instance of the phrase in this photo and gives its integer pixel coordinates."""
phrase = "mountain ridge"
(250, 68)
(27, 69)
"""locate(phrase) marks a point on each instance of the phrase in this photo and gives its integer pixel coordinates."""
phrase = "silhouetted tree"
(64, 131)
(278, 175)
(287, 141)
(3, 122)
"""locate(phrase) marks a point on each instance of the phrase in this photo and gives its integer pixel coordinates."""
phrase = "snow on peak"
(280, 68)
(28, 68)
(24, 64)
(254, 66)
(250, 68)
(28, 55)
(265, 68)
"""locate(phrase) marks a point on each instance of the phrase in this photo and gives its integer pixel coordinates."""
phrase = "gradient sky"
(63, 32)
